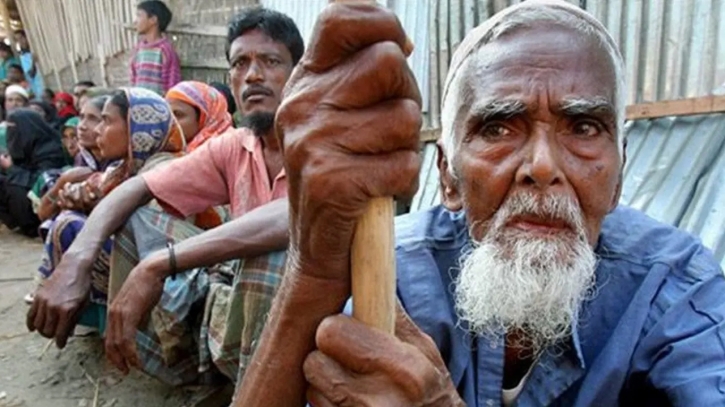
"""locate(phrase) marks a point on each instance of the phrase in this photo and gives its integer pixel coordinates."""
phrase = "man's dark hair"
(274, 24)
(158, 9)
(88, 84)
(21, 32)
(15, 66)
(5, 47)
(120, 99)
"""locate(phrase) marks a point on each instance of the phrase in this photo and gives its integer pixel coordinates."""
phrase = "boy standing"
(29, 65)
(154, 63)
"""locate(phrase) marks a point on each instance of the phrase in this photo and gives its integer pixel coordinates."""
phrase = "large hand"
(137, 297)
(58, 303)
(361, 366)
(350, 125)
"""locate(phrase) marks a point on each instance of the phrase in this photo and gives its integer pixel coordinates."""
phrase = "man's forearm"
(108, 216)
(275, 377)
(262, 230)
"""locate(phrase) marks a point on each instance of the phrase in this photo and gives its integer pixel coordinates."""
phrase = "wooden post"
(5, 14)
(373, 263)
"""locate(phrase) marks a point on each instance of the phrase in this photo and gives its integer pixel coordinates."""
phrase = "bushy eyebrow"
(597, 107)
(497, 109)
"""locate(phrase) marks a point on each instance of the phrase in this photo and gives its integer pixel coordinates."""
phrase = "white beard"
(513, 280)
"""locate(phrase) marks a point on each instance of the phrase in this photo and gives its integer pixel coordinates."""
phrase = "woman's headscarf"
(152, 130)
(224, 90)
(33, 145)
(51, 113)
(214, 119)
(69, 109)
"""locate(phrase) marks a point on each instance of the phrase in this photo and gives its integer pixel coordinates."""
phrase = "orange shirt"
(228, 169)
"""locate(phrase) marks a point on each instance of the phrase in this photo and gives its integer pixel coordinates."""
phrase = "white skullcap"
(17, 89)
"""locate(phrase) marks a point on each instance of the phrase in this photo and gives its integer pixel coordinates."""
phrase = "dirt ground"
(32, 377)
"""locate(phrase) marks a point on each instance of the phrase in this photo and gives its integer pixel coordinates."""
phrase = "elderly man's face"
(540, 120)
(537, 167)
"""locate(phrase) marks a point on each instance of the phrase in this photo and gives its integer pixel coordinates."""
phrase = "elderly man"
(535, 287)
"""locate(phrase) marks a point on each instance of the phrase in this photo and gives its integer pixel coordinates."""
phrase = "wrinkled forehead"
(542, 61)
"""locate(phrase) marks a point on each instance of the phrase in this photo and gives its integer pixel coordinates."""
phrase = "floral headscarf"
(152, 130)
(214, 118)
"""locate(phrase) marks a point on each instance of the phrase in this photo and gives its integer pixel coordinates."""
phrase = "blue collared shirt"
(653, 335)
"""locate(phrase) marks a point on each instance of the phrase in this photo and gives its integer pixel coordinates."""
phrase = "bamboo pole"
(102, 59)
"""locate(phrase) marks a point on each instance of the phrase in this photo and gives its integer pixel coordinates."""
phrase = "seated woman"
(47, 111)
(201, 110)
(33, 148)
(64, 103)
(137, 132)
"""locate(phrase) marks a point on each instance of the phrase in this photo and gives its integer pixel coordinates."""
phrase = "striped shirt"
(155, 66)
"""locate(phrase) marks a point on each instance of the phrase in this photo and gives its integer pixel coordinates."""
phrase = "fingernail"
(408, 47)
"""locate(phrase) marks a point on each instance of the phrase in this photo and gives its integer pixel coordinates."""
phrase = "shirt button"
(490, 402)
(493, 344)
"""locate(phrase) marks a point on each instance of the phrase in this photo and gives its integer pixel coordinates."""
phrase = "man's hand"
(58, 303)
(134, 302)
(349, 124)
(361, 366)
(5, 161)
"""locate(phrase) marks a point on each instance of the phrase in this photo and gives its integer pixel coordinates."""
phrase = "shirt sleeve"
(171, 73)
(191, 184)
(685, 347)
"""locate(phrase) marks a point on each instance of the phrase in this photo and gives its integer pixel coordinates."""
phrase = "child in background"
(7, 58)
(29, 64)
(154, 63)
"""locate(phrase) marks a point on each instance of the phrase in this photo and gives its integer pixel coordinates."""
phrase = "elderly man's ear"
(450, 195)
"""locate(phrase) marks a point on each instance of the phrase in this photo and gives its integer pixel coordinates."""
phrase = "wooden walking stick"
(373, 259)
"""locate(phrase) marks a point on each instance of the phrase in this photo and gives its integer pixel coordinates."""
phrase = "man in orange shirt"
(244, 169)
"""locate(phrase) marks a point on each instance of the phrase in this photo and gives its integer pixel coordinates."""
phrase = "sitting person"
(32, 148)
(530, 285)
(15, 98)
(89, 155)
(200, 110)
(137, 132)
(64, 102)
(16, 76)
(224, 90)
(48, 112)
(79, 90)
(207, 319)
(69, 134)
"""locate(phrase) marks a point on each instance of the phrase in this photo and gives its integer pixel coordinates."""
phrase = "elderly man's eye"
(586, 129)
(494, 131)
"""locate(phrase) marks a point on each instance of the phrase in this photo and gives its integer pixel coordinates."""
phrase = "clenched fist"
(349, 124)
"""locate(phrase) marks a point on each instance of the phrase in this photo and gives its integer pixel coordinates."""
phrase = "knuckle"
(388, 55)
